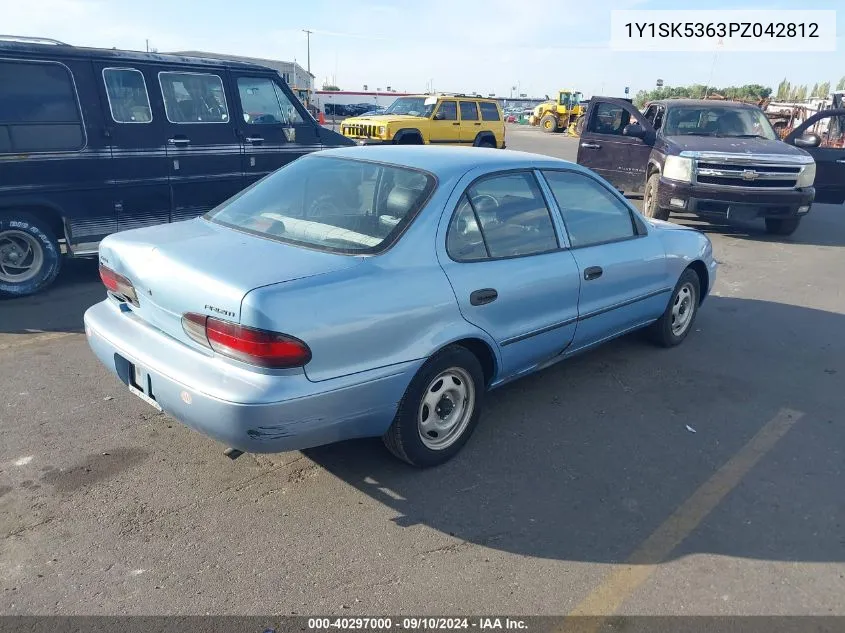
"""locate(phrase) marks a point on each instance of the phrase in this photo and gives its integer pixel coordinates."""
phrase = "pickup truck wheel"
(548, 123)
(30, 257)
(782, 226)
(440, 409)
(650, 206)
(672, 328)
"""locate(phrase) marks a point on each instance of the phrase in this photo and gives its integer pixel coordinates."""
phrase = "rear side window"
(489, 111)
(501, 216)
(39, 109)
(331, 204)
(193, 98)
(469, 111)
(127, 94)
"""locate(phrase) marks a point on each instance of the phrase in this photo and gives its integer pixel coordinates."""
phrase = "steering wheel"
(323, 206)
(480, 206)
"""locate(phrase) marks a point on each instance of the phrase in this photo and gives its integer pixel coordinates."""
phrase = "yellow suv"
(431, 119)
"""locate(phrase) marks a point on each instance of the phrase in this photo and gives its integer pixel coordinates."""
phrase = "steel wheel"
(683, 307)
(21, 256)
(446, 408)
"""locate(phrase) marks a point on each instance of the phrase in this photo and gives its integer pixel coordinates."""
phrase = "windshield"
(718, 120)
(335, 204)
(413, 106)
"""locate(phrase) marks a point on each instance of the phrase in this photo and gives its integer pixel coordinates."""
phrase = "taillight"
(250, 345)
(118, 284)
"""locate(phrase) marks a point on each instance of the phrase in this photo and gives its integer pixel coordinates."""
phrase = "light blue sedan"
(382, 291)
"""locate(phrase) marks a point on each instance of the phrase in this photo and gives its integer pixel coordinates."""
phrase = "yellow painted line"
(621, 583)
(15, 341)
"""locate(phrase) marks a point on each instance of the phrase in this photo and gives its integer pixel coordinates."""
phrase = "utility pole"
(308, 36)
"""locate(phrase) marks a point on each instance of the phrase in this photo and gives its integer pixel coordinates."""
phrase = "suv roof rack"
(32, 40)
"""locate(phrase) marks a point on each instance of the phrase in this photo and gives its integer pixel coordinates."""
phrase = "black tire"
(410, 139)
(579, 125)
(650, 201)
(662, 331)
(22, 235)
(549, 123)
(404, 437)
(487, 142)
(782, 226)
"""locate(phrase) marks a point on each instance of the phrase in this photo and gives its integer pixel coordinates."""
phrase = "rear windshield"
(333, 204)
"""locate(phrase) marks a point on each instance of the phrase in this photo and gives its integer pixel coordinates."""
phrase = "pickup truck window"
(592, 214)
(719, 120)
(609, 118)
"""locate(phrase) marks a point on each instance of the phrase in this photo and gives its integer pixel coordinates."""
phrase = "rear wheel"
(548, 123)
(487, 142)
(29, 254)
(579, 125)
(439, 410)
(651, 208)
(782, 226)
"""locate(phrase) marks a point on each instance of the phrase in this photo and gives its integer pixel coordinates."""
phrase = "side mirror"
(808, 140)
(634, 129)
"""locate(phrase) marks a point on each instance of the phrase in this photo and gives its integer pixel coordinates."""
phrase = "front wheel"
(440, 409)
(29, 254)
(782, 226)
(651, 208)
(548, 123)
(672, 328)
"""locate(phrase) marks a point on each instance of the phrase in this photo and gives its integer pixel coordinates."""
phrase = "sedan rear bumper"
(241, 408)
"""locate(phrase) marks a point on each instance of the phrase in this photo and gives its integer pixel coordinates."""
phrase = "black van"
(94, 141)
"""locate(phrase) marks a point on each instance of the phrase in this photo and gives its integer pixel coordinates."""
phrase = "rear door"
(135, 128)
(271, 126)
(829, 155)
(604, 148)
(445, 126)
(470, 122)
(203, 148)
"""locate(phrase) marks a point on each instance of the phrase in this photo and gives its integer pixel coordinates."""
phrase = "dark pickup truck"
(720, 159)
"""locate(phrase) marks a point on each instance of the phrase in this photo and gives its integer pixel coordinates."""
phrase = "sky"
(480, 46)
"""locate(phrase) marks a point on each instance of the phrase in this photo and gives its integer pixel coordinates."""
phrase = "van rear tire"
(30, 258)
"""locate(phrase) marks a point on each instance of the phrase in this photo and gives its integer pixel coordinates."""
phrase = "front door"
(624, 276)
(135, 128)
(829, 155)
(509, 274)
(445, 126)
(604, 148)
(203, 149)
(272, 129)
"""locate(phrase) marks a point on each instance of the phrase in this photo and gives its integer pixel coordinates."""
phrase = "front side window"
(127, 94)
(501, 216)
(193, 98)
(609, 118)
(39, 110)
(591, 213)
(489, 111)
(448, 111)
(333, 204)
(258, 101)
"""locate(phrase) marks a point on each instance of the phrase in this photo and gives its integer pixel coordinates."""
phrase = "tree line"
(786, 91)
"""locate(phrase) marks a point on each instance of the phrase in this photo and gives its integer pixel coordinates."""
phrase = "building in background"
(299, 80)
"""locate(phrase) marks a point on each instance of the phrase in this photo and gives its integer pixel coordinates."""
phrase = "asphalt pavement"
(705, 479)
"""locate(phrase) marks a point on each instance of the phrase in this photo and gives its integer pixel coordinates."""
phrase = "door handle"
(176, 140)
(456, 123)
(841, 161)
(257, 140)
(485, 295)
(593, 272)
(476, 123)
(590, 145)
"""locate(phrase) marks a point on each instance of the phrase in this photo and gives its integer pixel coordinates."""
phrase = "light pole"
(308, 36)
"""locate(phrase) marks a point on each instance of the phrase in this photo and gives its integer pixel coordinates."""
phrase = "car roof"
(113, 55)
(701, 102)
(450, 161)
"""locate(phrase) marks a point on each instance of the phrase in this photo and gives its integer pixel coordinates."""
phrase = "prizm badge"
(219, 310)
(750, 174)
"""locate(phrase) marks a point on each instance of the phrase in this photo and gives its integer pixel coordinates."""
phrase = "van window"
(262, 102)
(39, 109)
(127, 94)
(193, 98)
(489, 111)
